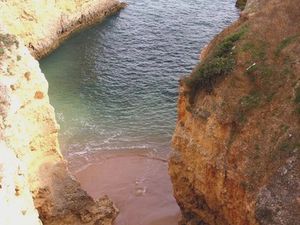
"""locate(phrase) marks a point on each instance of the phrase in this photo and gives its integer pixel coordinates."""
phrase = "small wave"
(119, 85)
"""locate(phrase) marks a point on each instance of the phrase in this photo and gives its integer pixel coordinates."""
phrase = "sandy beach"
(136, 181)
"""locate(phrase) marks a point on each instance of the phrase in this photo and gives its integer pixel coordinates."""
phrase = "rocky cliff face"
(32, 168)
(43, 25)
(35, 185)
(237, 148)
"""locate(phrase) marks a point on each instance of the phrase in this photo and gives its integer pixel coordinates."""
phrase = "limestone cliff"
(35, 185)
(44, 24)
(237, 140)
(30, 156)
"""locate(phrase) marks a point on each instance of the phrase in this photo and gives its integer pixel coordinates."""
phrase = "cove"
(114, 88)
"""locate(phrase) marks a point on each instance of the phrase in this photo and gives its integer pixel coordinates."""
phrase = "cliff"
(43, 25)
(236, 157)
(35, 184)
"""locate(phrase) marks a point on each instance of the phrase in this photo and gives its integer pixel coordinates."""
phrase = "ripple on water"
(116, 84)
(115, 87)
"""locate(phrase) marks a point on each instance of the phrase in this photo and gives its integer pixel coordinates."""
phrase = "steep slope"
(35, 185)
(237, 140)
(30, 151)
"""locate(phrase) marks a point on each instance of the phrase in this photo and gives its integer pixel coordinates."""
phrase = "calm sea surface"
(115, 86)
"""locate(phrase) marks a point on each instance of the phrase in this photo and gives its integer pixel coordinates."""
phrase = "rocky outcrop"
(237, 149)
(32, 168)
(35, 184)
(44, 24)
(16, 201)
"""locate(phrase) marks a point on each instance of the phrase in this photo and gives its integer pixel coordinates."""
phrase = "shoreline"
(77, 163)
(137, 182)
(83, 20)
(43, 27)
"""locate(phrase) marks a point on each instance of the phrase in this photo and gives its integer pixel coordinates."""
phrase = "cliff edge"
(35, 185)
(32, 168)
(44, 24)
(237, 139)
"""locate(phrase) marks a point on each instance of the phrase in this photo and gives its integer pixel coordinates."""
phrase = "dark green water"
(114, 86)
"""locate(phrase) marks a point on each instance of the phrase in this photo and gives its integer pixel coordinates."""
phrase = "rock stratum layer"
(237, 140)
(35, 184)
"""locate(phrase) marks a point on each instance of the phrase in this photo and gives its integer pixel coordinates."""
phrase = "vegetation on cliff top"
(219, 63)
(284, 43)
(241, 4)
(255, 113)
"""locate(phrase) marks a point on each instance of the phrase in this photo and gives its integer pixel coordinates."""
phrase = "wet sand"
(138, 183)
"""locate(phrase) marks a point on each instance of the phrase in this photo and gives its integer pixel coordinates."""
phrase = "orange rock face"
(236, 145)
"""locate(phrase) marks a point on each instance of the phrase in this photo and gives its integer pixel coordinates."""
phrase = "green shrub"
(207, 74)
(219, 63)
(241, 4)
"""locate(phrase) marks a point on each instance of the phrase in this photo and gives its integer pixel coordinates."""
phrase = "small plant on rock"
(219, 63)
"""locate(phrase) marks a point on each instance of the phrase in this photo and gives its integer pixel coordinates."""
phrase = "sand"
(138, 184)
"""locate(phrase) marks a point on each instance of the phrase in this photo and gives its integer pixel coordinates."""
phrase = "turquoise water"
(115, 86)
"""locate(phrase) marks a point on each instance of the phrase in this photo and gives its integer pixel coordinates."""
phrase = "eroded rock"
(236, 157)
(33, 170)
(43, 25)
